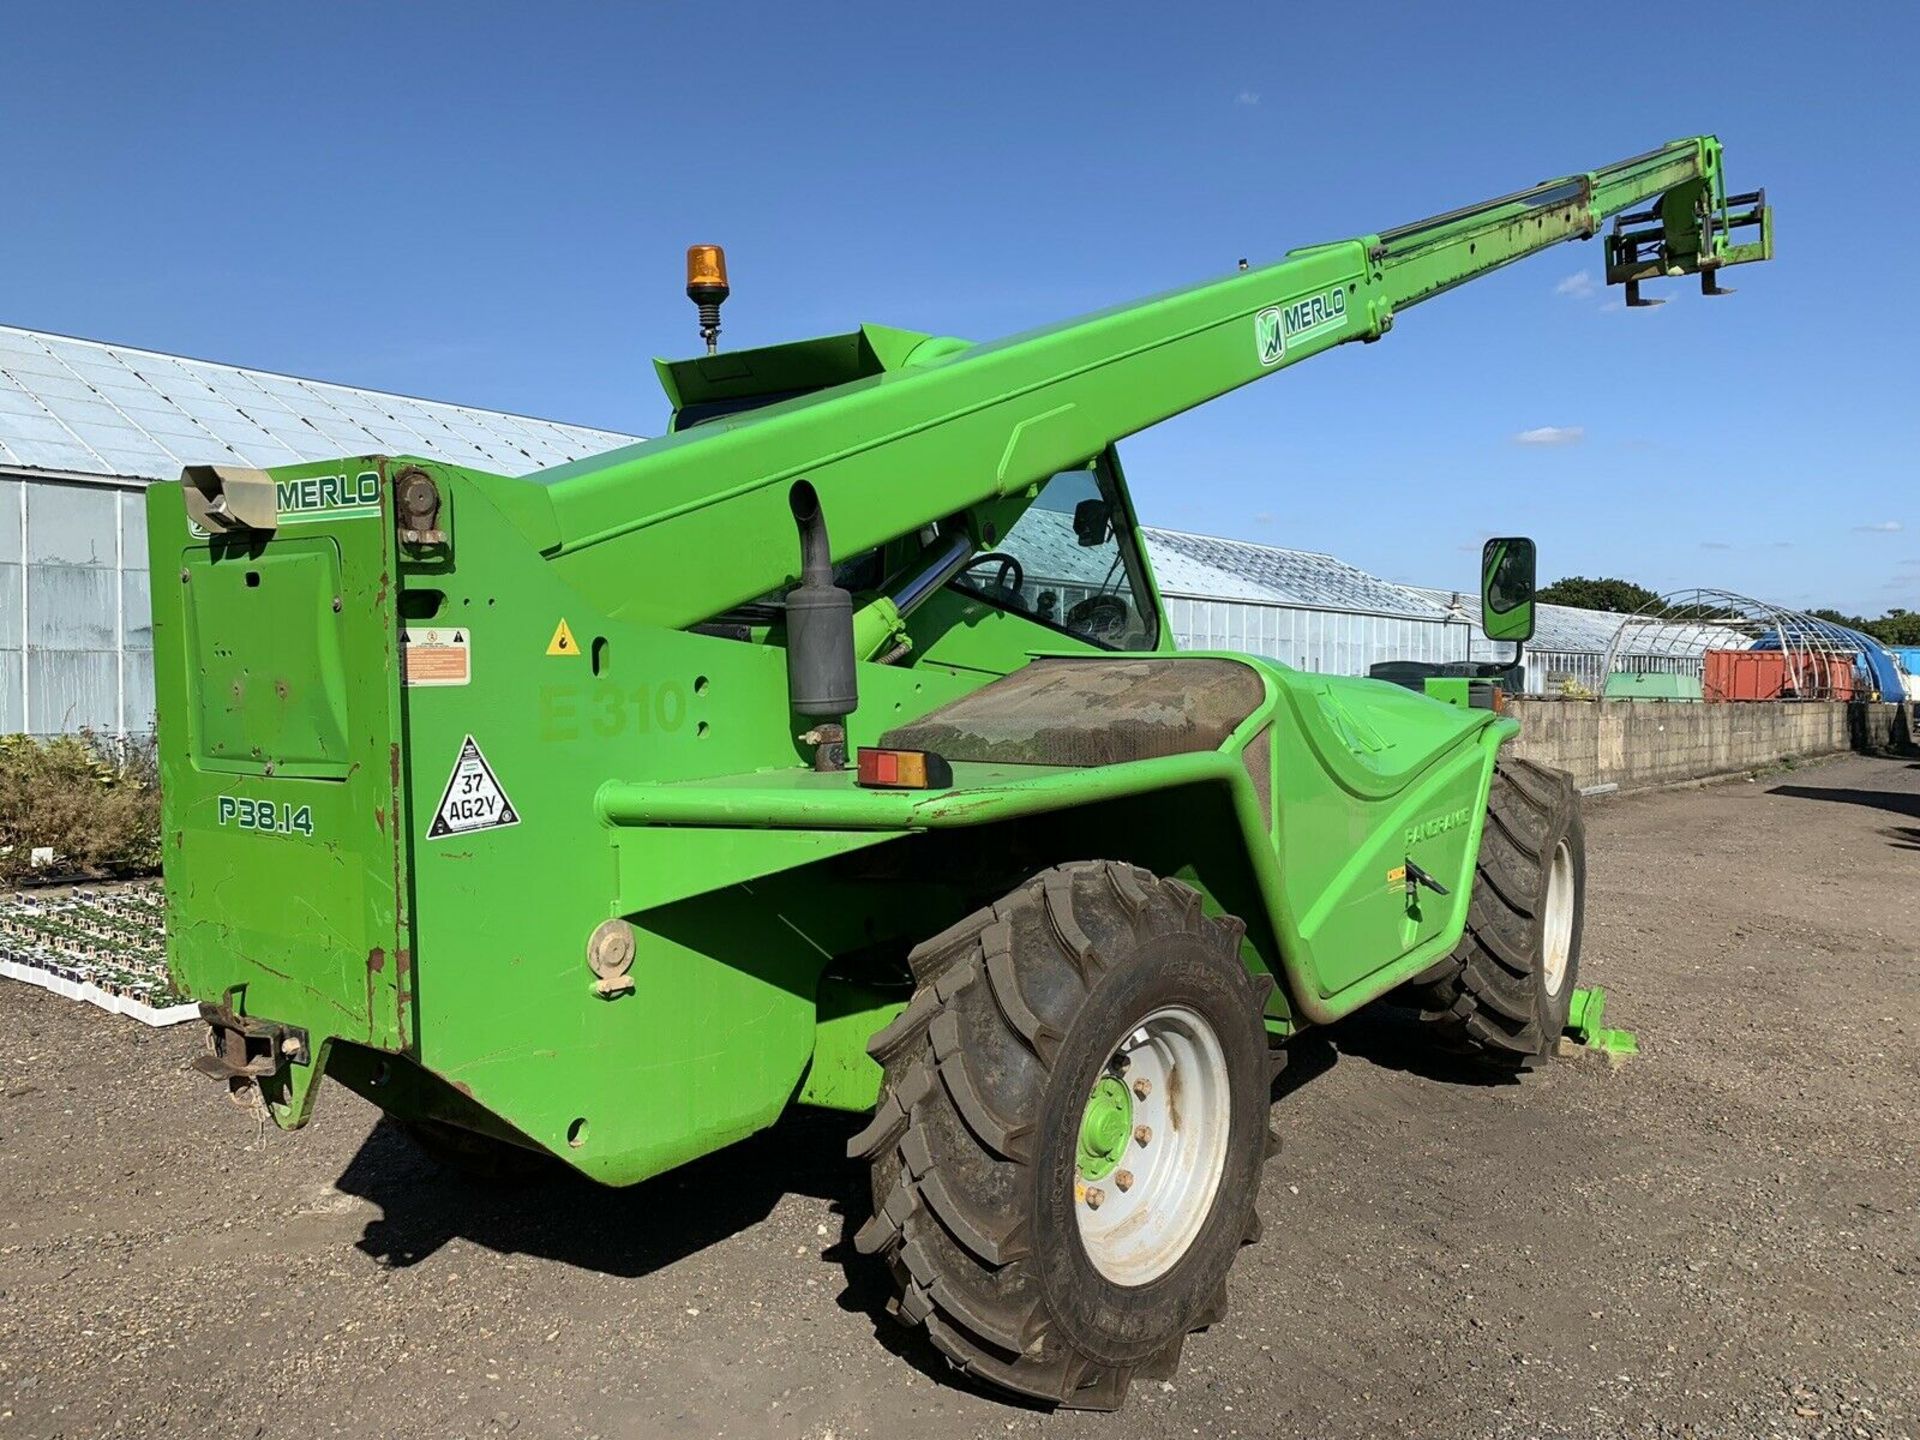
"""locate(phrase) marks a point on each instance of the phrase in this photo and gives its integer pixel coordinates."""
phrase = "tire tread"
(949, 1142)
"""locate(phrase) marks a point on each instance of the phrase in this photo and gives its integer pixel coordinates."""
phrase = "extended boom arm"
(934, 426)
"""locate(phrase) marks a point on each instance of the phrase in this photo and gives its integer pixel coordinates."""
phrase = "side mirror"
(1093, 522)
(1506, 589)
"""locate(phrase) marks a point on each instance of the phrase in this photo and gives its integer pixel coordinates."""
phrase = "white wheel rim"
(1556, 931)
(1140, 1217)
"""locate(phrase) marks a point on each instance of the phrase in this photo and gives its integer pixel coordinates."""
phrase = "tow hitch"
(243, 1051)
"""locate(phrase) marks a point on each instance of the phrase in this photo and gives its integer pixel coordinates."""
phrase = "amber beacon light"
(707, 288)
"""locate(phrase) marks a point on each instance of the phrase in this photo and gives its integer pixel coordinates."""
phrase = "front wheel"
(1068, 1147)
(1504, 993)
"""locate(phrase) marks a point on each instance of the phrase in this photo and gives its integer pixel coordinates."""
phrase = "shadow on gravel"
(561, 1216)
(636, 1230)
(1899, 802)
(1394, 1039)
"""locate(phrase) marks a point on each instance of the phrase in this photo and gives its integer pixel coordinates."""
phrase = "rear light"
(903, 769)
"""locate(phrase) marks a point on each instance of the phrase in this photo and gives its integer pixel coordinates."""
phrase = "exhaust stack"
(821, 683)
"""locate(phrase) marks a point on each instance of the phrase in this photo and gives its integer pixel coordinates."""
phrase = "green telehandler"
(832, 750)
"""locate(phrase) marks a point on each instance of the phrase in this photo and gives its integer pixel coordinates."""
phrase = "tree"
(1896, 627)
(1623, 597)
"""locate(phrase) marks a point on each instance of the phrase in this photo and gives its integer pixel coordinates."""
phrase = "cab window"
(1070, 562)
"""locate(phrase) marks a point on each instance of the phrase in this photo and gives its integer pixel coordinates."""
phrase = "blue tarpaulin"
(1873, 663)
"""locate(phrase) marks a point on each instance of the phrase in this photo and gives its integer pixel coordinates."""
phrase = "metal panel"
(72, 607)
(11, 548)
(13, 716)
(71, 690)
(12, 605)
(136, 681)
(1331, 642)
(71, 524)
(136, 610)
(133, 530)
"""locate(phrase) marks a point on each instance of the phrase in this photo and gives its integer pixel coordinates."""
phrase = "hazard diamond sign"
(473, 799)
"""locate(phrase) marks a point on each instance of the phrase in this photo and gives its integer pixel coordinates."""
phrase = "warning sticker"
(435, 655)
(562, 642)
(473, 800)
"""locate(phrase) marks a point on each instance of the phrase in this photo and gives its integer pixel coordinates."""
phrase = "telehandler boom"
(832, 750)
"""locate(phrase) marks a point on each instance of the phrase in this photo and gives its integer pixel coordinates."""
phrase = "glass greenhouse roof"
(85, 408)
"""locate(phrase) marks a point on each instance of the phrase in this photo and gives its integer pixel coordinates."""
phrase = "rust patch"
(380, 818)
(464, 1088)
(381, 597)
(393, 752)
(376, 960)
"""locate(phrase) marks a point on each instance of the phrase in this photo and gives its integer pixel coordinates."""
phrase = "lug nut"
(1142, 1088)
(1094, 1197)
(1124, 1179)
(1142, 1134)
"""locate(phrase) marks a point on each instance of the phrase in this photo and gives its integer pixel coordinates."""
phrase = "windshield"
(1070, 563)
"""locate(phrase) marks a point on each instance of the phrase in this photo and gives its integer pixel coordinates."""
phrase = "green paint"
(656, 775)
(315, 498)
(1585, 1013)
(841, 1075)
(1105, 1128)
(1438, 825)
(304, 499)
(1456, 690)
(265, 816)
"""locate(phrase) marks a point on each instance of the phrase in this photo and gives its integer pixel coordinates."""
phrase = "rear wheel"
(1505, 991)
(1068, 1146)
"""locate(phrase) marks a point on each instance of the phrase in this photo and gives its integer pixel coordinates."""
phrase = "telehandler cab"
(832, 750)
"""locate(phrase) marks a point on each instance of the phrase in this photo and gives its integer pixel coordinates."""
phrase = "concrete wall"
(1636, 743)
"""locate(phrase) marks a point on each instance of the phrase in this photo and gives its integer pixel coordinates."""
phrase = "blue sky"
(489, 204)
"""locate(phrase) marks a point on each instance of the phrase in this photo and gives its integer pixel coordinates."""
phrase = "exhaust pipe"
(821, 683)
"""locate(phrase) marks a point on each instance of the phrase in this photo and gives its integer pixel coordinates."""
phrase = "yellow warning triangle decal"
(562, 642)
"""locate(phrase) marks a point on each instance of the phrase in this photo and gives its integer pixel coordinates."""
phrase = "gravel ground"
(1720, 1238)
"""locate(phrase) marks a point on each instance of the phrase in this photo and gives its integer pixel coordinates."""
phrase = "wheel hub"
(1105, 1128)
(1152, 1146)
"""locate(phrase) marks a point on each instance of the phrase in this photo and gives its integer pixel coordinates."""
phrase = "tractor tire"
(472, 1156)
(1504, 992)
(1070, 1138)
